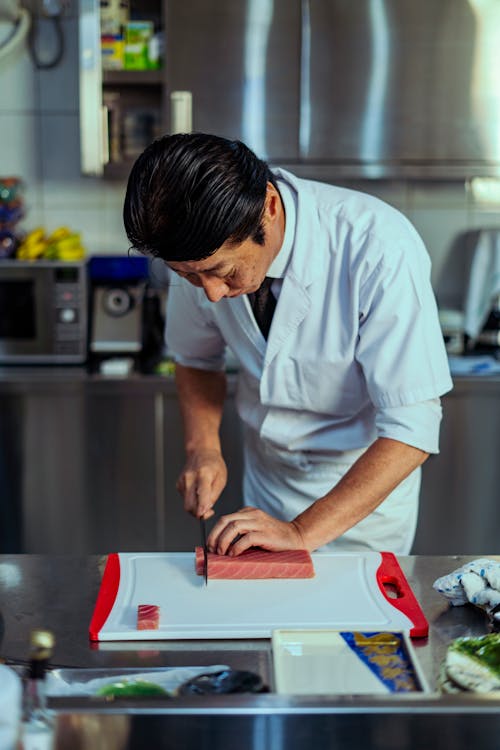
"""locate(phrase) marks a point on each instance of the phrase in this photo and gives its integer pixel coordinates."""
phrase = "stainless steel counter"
(59, 593)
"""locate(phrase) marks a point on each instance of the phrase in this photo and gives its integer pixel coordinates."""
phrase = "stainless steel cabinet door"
(401, 80)
(459, 508)
(123, 509)
(241, 63)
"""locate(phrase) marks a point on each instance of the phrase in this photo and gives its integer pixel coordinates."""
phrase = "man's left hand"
(251, 527)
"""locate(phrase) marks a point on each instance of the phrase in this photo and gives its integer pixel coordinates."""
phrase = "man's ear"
(273, 201)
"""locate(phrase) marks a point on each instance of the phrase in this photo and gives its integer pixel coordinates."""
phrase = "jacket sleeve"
(191, 335)
(400, 344)
(417, 424)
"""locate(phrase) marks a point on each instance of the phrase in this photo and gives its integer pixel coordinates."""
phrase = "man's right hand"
(201, 482)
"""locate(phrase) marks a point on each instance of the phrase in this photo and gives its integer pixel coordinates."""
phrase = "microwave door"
(25, 330)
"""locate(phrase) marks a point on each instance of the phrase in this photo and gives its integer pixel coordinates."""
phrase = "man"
(340, 403)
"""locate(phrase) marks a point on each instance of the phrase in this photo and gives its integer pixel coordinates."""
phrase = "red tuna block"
(148, 617)
(257, 563)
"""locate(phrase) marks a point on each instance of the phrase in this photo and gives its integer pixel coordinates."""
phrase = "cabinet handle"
(181, 112)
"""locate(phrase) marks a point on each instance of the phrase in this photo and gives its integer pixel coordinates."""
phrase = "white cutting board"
(345, 593)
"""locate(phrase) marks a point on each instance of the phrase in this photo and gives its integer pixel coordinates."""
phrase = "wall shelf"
(132, 77)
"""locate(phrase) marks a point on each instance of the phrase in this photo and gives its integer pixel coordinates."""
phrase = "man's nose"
(213, 287)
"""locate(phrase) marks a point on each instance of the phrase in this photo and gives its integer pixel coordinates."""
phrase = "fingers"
(208, 514)
(226, 531)
(201, 488)
(249, 527)
(250, 539)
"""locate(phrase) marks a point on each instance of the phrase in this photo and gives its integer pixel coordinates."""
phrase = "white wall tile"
(114, 195)
(59, 141)
(484, 218)
(432, 194)
(18, 93)
(59, 86)
(34, 216)
(83, 192)
(441, 230)
(114, 240)
(33, 206)
(394, 192)
(87, 222)
(19, 146)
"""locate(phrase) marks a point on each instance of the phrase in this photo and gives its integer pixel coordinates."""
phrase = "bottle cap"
(42, 644)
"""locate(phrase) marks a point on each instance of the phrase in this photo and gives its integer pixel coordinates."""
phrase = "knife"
(203, 529)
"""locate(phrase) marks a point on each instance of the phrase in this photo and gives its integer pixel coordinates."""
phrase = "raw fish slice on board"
(256, 563)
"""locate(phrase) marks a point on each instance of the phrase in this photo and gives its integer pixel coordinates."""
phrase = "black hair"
(189, 193)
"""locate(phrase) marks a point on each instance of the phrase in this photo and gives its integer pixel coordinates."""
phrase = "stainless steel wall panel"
(241, 61)
(402, 87)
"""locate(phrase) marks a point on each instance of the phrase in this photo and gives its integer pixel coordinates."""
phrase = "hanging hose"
(59, 52)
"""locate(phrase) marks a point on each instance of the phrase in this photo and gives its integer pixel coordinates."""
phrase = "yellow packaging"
(112, 52)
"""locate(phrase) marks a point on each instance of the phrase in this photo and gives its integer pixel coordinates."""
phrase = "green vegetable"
(485, 650)
(132, 689)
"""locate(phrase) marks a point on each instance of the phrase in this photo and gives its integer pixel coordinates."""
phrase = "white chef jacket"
(355, 350)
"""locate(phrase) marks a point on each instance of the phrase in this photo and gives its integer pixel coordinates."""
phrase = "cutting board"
(355, 591)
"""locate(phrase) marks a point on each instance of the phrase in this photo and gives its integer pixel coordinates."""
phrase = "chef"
(323, 295)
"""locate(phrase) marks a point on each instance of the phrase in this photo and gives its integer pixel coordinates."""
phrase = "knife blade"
(203, 529)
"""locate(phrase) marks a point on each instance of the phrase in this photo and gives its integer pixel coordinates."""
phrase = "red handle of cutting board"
(106, 597)
(389, 573)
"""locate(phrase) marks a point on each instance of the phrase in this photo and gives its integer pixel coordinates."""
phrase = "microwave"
(43, 312)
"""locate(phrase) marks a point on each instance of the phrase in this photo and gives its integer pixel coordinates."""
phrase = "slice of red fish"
(148, 617)
(257, 563)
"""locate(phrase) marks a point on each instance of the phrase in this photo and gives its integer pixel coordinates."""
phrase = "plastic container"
(340, 662)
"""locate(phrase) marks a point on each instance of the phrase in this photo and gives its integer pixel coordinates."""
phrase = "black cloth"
(263, 304)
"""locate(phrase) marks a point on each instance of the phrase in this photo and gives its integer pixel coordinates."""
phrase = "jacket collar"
(302, 231)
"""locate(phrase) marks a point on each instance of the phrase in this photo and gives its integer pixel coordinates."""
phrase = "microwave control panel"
(70, 304)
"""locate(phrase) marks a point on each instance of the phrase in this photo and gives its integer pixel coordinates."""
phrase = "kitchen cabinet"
(90, 464)
(85, 468)
(241, 64)
(121, 110)
(330, 89)
(397, 87)
(135, 112)
(230, 68)
(459, 500)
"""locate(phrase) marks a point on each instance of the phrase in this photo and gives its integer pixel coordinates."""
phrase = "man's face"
(238, 269)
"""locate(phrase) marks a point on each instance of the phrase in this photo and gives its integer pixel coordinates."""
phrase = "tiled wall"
(39, 141)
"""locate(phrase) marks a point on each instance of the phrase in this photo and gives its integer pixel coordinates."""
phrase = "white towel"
(484, 282)
(477, 582)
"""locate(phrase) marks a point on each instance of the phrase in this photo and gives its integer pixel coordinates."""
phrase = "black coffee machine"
(488, 339)
(126, 319)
